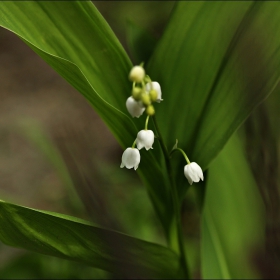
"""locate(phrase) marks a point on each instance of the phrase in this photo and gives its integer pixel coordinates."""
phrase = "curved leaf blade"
(233, 219)
(74, 239)
(84, 51)
(216, 62)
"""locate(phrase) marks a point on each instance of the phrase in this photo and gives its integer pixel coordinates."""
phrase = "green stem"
(134, 143)
(175, 200)
(146, 123)
(184, 154)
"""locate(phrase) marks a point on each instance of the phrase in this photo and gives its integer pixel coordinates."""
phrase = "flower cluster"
(144, 93)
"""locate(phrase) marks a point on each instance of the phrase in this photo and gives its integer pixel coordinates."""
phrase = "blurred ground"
(32, 94)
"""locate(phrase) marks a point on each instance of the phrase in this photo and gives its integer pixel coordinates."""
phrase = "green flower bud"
(153, 94)
(146, 100)
(150, 110)
(136, 93)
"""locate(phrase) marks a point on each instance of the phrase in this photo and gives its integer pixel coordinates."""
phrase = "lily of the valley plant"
(215, 62)
(144, 93)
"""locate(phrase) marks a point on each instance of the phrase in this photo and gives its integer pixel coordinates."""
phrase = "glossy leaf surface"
(74, 239)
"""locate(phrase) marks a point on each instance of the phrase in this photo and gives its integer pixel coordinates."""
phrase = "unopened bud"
(150, 110)
(136, 93)
(146, 100)
(137, 74)
(153, 94)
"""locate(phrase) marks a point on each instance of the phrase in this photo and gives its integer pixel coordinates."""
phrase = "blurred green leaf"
(78, 43)
(215, 62)
(74, 239)
(141, 43)
(29, 265)
(233, 220)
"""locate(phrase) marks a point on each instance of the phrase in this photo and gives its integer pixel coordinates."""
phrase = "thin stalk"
(184, 154)
(134, 143)
(175, 200)
(146, 123)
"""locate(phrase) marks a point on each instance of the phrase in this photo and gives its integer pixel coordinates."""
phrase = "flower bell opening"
(193, 172)
(130, 158)
(145, 139)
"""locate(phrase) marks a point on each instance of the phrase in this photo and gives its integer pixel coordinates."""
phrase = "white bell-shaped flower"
(145, 138)
(193, 172)
(134, 107)
(137, 74)
(155, 86)
(130, 158)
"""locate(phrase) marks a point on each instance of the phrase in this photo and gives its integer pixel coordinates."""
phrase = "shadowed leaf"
(74, 239)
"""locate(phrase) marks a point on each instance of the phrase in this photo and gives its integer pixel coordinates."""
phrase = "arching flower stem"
(134, 143)
(184, 154)
(146, 123)
(176, 203)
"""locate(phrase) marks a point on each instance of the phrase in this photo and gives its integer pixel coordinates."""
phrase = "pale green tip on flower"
(155, 86)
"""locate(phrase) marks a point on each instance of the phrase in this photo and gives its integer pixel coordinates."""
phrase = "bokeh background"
(53, 144)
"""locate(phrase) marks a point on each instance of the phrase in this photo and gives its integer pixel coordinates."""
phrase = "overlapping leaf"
(215, 62)
(74, 239)
(233, 217)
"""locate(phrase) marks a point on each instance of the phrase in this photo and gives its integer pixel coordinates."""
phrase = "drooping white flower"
(137, 74)
(134, 107)
(193, 172)
(145, 138)
(130, 158)
(155, 86)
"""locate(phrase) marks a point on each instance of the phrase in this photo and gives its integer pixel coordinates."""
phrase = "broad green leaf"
(233, 217)
(215, 62)
(83, 50)
(74, 239)
(78, 43)
(37, 266)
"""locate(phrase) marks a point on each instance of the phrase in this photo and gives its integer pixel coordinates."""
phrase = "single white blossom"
(134, 107)
(130, 158)
(145, 138)
(193, 172)
(155, 86)
(137, 74)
